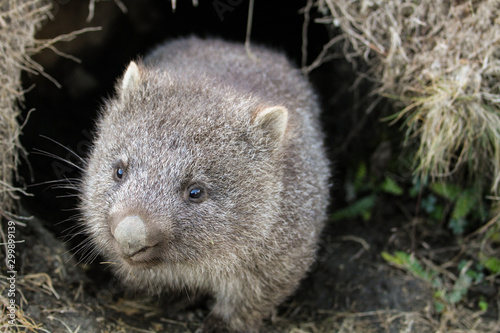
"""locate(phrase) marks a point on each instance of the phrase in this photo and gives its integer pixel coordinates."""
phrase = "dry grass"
(441, 60)
(18, 23)
(23, 321)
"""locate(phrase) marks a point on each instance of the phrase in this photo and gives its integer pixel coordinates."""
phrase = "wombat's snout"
(131, 235)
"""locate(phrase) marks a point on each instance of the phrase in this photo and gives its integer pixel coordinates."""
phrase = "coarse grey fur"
(203, 118)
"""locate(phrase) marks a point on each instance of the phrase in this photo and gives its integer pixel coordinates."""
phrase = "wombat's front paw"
(215, 324)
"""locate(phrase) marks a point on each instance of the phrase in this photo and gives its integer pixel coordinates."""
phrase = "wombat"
(209, 174)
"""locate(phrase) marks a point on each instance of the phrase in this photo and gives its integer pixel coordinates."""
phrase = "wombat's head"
(182, 172)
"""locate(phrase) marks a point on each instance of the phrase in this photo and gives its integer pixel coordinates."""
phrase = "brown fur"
(201, 114)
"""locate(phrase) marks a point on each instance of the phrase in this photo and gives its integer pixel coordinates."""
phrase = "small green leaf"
(492, 264)
(460, 288)
(494, 237)
(429, 203)
(390, 186)
(464, 205)
(392, 259)
(366, 215)
(439, 306)
(416, 188)
(438, 213)
(445, 190)
(477, 276)
(457, 226)
(408, 262)
(360, 177)
(358, 208)
(483, 305)
(461, 264)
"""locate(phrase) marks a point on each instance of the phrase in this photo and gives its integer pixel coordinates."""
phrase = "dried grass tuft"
(441, 59)
(18, 23)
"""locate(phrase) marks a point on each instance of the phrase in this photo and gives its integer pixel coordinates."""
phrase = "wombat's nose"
(131, 235)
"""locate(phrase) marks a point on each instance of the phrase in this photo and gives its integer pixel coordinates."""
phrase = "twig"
(305, 27)
(249, 30)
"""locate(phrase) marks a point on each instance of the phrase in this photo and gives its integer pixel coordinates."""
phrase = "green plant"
(467, 205)
(408, 262)
(447, 291)
(362, 192)
(462, 208)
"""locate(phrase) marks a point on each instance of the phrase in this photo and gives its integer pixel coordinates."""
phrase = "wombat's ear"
(273, 120)
(130, 80)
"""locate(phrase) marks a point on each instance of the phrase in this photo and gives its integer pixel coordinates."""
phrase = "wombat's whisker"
(76, 195)
(87, 250)
(82, 160)
(75, 217)
(56, 182)
(70, 184)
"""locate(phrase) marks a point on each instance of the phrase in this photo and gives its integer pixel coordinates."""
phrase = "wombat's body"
(209, 174)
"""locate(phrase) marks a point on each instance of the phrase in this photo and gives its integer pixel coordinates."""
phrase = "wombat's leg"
(216, 324)
(239, 311)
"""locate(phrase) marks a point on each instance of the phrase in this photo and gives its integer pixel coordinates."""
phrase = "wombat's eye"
(196, 193)
(119, 171)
